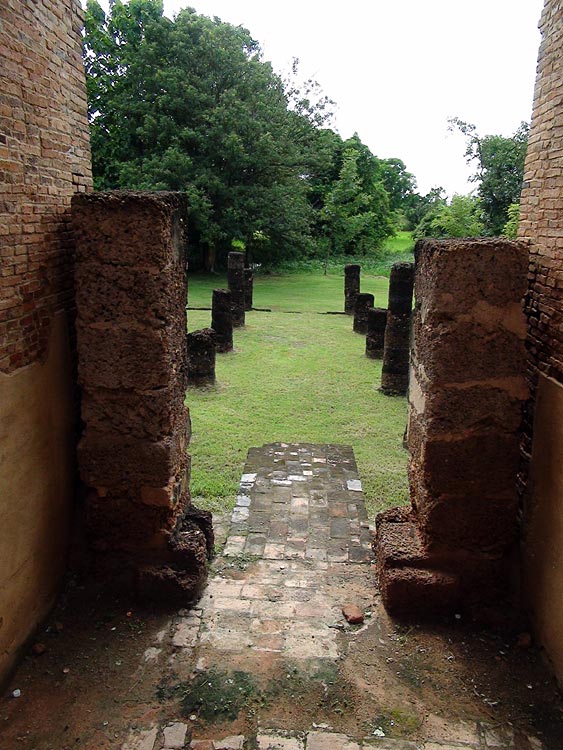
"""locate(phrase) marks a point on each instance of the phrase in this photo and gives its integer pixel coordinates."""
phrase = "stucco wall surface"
(36, 476)
(542, 224)
(44, 160)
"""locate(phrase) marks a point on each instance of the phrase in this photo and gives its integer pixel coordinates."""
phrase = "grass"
(296, 292)
(397, 248)
(294, 378)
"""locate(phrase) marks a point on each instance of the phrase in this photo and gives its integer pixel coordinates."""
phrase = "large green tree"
(356, 215)
(190, 105)
(499, 171)
(461, 217)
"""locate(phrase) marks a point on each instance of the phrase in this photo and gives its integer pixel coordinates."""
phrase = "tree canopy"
(189, 104)
(499, 171)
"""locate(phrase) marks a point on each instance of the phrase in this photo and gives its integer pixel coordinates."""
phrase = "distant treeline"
(189, 104)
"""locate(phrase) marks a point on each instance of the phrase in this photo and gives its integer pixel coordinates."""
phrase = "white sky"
(397, 69)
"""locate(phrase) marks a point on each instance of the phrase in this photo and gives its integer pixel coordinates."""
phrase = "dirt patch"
(109, 666)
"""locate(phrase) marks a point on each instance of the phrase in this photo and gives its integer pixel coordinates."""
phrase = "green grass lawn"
(294, 377)
(298, 292)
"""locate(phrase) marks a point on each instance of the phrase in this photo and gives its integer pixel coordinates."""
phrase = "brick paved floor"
(297, 550)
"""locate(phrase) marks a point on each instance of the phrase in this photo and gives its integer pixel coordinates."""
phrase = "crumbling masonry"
(237, 287)
(452, 549)
(351, 287)
(131, 289)
(363, 303)
(395, 368)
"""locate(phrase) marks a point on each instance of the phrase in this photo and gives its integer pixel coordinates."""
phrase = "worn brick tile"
(330, 741)
(141, 740)
(274, 741)
(273, 551)
(175, 736)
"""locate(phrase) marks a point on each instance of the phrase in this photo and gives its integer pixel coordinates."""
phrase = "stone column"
(351, 287)
(222, 320)
(201, 357)
(395, 369)
(377, 322)
(363, 304)
(465, 402)
(235, 275)
(248, 288)
(131, 290)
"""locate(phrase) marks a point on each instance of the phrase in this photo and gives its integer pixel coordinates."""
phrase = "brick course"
(44, 160)
(541, 209)
(540, 215)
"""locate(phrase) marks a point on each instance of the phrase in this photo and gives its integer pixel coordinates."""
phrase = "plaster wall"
(44, 160)
(541, 212)
(36, 476)
(544, 549)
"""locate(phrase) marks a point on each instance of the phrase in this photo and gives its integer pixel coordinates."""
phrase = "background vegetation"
(295, 377)
(190, 104)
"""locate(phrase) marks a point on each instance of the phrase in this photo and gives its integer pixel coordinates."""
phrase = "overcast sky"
(397, 69)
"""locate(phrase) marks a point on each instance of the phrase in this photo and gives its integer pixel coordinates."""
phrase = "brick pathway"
(296, 551)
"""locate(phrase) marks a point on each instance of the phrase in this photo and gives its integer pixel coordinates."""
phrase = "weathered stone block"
(457, 275)
(127, 356)
(248, 289)
(111, 227)
(478, 464)
(118, 294)
(401, 282)
(463, 350)
(110, 460)
(222, 319)
(201, 357)
(375, 339)
(489, 522)
(235, 276)
(363, 303)
(473, 408)
(351, 287)
(146, 414)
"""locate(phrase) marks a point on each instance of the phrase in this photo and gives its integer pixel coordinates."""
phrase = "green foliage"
(355, 219)
(189, 104)
(417, 206)
(460, 218)
(399, 183)
(510, 229)
(500, 170)
(290, 401)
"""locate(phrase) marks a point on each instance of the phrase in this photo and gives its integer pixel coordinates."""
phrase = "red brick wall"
(541, 216)
(542, 224)
(542, 202)
(44, 159)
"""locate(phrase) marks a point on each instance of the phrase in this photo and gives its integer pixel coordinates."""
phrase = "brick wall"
(542, 224)
(44, 159)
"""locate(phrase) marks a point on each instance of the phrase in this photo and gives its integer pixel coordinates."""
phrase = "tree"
(510, 229)
(356, 216)
(399, 183)
(500, 169)
(190, 105)
(417, 206)
(460, 218)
